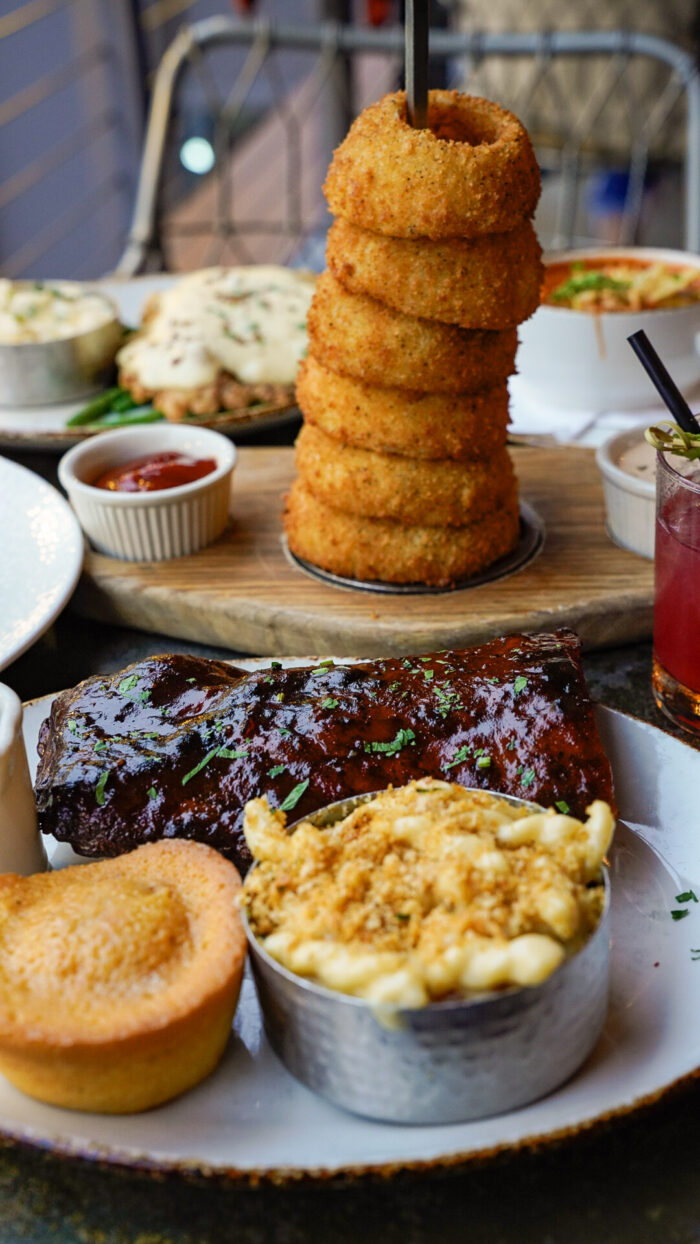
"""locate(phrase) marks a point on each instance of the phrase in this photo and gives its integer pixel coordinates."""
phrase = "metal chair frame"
(335, 44)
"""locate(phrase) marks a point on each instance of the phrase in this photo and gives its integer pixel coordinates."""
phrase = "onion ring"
(408, 490)
(488, 282)
(399, 421)
(358, 336)
(375, 548)
(472, 171)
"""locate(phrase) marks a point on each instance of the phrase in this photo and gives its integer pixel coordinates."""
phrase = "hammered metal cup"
(447, 1062)
(42, 373)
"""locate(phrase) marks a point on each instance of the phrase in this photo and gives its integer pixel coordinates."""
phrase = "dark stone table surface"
(635, 1180)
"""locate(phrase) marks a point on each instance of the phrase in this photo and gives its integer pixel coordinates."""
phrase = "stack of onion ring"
(433, 262)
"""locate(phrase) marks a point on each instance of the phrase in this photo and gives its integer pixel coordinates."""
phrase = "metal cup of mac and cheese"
(430, 954)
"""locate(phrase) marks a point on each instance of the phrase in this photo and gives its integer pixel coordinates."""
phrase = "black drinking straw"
(659, 377)
(417, 31)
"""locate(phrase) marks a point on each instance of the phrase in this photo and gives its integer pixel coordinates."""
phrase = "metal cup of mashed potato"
(79, 360)
(449, 1061)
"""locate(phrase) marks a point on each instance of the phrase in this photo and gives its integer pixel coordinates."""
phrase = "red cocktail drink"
(676, 675)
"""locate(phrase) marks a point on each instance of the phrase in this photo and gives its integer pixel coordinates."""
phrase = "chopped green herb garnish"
(152, 793)
(528, 777)
(330, 703)
(428, 674)
(424, 659)
(100, 745)
(227, 753)
(275, 665)
(127, 684)
(73, 726)
(519, 685)
(484, 762)
(198, 768)
(580, 284)
(100, 788)
(276, 770)
(402, 738)
(186, 680)
(679, 914)
(284, 731)
(294, 796)
(688, 896)
(511, 746)
(394, 686)
(403, 915)
(492, 680)
(461, 755)
(563, 806)
(279, 697)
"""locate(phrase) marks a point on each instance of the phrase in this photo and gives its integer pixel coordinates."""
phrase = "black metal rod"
(667, 388)
(417, 32)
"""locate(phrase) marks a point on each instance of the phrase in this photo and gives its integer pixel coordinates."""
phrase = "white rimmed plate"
(44, 427)
(41, 556)
(251, 1119)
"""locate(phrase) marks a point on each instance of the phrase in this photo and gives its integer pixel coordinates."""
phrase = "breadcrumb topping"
(426, 892)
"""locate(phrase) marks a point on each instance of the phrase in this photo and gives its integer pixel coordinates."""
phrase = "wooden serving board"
(245, 593)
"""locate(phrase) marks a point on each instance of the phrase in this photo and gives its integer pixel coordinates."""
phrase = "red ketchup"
(157, 471)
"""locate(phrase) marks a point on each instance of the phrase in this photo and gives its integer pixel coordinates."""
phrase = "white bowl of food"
(150, 493)
(58, 341)
(627, 464)
(574, 351)
(424, 955)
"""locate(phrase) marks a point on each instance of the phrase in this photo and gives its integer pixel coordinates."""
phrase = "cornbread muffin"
(119, 979)
(427, 891)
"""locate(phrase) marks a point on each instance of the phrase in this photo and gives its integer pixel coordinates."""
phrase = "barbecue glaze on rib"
(174, 746)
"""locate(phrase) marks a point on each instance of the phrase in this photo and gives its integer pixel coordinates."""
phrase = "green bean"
(124, 418)
(124, 401)
(98, 406)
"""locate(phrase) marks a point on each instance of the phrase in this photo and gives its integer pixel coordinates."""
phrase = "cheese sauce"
(248, 321)
(49, 311)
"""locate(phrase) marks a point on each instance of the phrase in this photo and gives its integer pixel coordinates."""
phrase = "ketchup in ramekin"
(155, 472)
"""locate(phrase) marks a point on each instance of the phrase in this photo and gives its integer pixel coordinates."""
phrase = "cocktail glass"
(676, 670)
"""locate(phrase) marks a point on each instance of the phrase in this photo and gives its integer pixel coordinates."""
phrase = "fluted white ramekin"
(149, 526)
(630, 502)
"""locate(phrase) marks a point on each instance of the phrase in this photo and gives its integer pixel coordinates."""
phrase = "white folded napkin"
(531, 417)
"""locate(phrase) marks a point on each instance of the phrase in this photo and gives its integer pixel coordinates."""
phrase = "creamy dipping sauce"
(32, 311)
(639, 460)
(248, 321)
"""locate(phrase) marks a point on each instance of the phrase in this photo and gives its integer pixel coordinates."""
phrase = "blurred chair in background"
(608, 110)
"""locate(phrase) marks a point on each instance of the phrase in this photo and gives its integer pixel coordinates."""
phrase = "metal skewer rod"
(662, 381)
(417, 32)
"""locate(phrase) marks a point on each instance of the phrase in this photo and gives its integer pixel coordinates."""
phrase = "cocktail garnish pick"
(417, 32)
(672, 439)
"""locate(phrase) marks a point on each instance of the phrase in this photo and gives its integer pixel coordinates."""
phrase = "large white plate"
(44, 427)
(40, 559)
(252, 1119)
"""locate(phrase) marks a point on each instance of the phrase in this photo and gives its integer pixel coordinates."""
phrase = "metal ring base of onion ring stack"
(403, 473)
